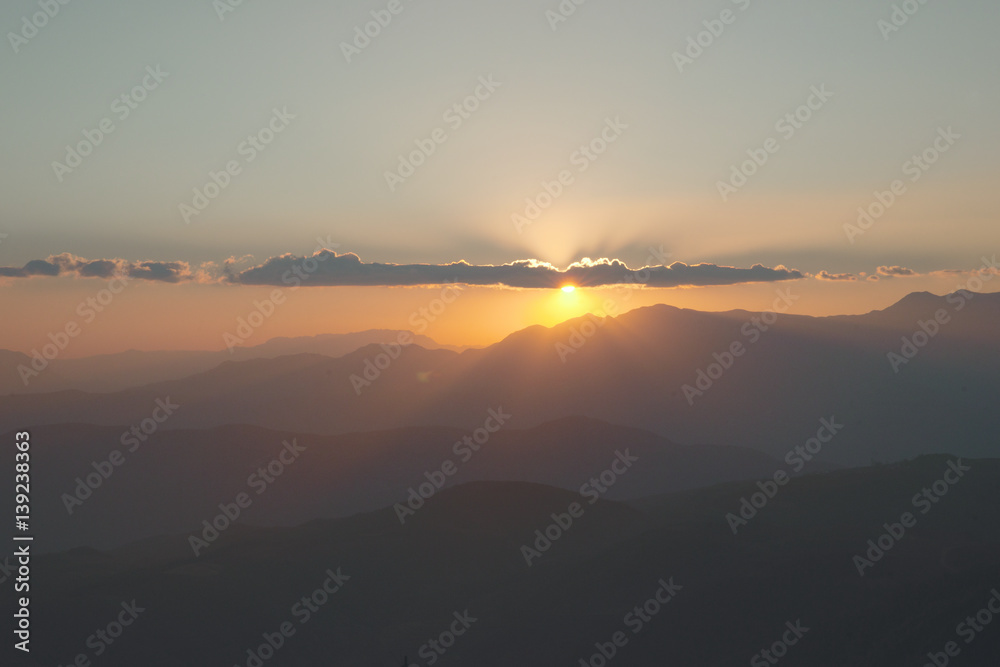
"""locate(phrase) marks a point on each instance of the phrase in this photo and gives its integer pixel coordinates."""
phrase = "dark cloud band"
(835, 277)
(330, 269)
(66, 264)
(327, 268)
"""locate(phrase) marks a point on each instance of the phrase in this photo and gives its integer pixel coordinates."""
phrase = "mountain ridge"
(647, 368)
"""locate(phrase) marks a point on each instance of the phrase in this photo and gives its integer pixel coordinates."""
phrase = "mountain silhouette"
(635, 370)
(793, 564)
(177, 478)
(114, 372)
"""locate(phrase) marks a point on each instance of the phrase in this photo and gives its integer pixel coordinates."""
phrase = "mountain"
(663, 369)
(176, 478)
(115, 372)
(460, 565)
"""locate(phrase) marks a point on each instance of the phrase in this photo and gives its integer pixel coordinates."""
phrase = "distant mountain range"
(640, 369)
(400, 586)
(115, 372)
(176, 479)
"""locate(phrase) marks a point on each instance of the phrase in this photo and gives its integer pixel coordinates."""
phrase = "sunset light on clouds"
(520, 157)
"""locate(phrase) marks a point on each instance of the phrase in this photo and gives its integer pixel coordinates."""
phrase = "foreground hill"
(638, 369)
(793, 565)
(175, 479)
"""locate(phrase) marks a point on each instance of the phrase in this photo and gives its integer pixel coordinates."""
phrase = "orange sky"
(151, 316)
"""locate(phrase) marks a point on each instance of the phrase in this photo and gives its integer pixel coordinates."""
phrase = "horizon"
(74, 351)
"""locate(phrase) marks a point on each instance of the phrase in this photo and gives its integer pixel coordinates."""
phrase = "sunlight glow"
(568, 288)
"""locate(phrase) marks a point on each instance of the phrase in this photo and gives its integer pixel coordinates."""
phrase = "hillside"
(463, 551)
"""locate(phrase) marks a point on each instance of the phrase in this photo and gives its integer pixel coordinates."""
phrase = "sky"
(619, 131)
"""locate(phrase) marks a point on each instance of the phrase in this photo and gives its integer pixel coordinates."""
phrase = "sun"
(564, 301)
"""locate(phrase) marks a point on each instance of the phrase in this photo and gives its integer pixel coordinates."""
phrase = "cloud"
(36, 267)
(71, 265)
(896, 272)
(327, 268)
(833, 277)
(888, 272)
(947, 273)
